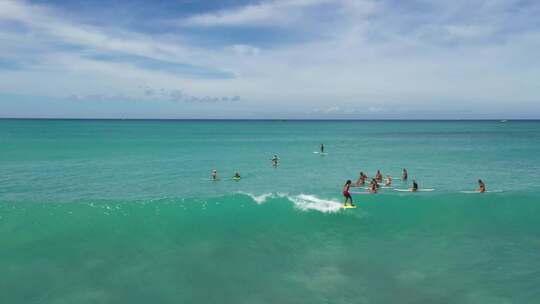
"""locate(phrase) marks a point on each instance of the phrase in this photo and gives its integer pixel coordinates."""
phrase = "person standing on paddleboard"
(322, 148)
(347, 194)
(405, 174)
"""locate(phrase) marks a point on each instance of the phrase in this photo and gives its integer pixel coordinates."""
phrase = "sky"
(350, 59)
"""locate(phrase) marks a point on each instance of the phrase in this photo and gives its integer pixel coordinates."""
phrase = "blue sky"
(270, 59)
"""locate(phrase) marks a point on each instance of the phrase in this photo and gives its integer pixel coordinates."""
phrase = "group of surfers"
(215, 176)
(236, 176)
(373, 186)
(375, 182)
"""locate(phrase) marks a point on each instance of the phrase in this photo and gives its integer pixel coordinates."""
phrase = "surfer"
(214, 174)
(414, 186)
(388, 181)
(236, 175)
(373, 186)
(361, 180)
(347, 194)
(275, 160)
(322, 148)
(481, 186)
(405, 175)
(379, 176)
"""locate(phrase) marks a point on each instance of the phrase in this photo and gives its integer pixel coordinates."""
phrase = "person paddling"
(322, 148)
(405, 174)
(347, 194)
(214, 175)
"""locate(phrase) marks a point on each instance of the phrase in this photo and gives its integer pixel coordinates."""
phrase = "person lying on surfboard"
(388, 180)
(405, 174)
(347, 194)
(481, 186)
(414, 186)
(378, 176)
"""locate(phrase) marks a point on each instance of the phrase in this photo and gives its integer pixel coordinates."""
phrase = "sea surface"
(112, 211)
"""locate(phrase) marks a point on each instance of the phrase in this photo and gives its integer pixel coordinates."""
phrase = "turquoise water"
(125, 212)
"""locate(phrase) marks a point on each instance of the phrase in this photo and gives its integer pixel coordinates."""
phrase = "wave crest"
(307, 202)
(302, 202)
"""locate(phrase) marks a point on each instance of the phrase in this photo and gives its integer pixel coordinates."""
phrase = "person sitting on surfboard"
(214, 174)
(347, 194)
(481, 186)
(405, 175)
(361, 180)
(373, 186)
(414, 186)
(236, 175)
(322, 148)
(275, 160)
(388, 181)
(378, 176)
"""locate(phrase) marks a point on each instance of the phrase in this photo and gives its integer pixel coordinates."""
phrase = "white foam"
(307, 202)
(259, 199)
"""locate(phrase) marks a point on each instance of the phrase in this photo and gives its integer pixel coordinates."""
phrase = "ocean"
(125, 211)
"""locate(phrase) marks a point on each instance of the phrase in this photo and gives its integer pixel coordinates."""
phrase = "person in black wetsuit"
(414, 186)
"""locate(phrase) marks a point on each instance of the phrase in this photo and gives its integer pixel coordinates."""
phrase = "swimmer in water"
(275, 160)
(322, 148)
(347, 194)
(414, 186)
(405, 174)
(361, 180)
(388, 180)
(379, 176)
(214, 175)
(481, 186)
(373, 186)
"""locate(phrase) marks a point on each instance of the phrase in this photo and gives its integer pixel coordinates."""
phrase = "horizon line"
(269, 119)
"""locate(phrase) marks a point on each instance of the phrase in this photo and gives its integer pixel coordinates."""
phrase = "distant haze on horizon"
(303, 59)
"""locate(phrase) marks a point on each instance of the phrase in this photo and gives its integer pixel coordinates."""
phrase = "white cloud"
(264, 13)
(468, 31)
(369, 56)
(244, 50)
(331, 110)
(373, 109)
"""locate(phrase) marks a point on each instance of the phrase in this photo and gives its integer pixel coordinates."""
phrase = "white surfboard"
(474, 191)
(320, 153)
(419, 190)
